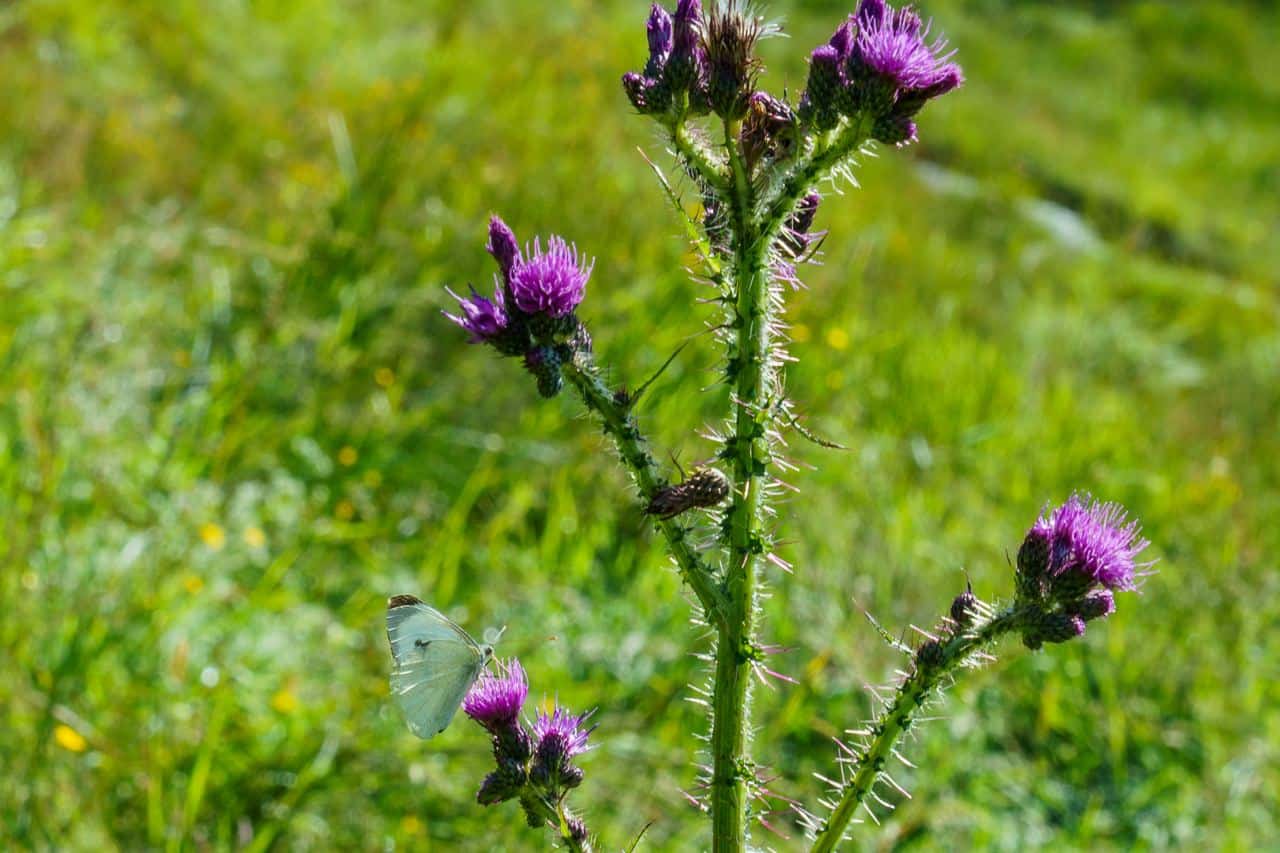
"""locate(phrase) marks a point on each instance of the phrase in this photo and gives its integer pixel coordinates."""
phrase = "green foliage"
(232, 420)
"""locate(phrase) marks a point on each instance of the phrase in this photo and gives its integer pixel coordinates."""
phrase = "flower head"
(890, 44)
(550, 282)
(558, 737)
(486, 320)
(842, 40)
(659, 29)
(495, 700)
(1086, 543)
(502, 245)
(729, 38)
(686, 67)
(561, 733)
(686, 23)
(826, 87)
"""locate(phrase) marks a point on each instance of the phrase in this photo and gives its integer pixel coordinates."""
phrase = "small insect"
(435, 662)
(705, 487)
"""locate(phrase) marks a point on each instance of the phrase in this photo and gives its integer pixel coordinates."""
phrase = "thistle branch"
(564, 824)
(696, 157)
(943, 658)
(619, 424)
(809, 171)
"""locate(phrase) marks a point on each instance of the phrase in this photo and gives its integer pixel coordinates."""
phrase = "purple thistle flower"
(685, 25)
(660, 32)
(639, 90)
(1091, 541)
(686, 66)
(650, 92)
(551, 282)
(871, 13)
(496, 698)
(561, 733)
(503, 246)
(485, 320)
(842, 39)
(825, 87)
(891, 45)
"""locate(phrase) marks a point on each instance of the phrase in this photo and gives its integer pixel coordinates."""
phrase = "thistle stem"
(695, 156)
(556, 815)
(808, 172)
(911, 696)
(620, 425)
(748, 449)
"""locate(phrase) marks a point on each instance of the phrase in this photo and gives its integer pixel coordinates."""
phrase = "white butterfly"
(436, 662)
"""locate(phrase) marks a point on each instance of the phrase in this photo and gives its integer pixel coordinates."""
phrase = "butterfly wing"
(435, 664)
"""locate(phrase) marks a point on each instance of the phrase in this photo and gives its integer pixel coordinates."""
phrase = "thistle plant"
(757, 163)
(534, 762)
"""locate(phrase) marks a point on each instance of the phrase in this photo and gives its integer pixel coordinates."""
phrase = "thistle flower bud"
(661, 37)
(964, 608)
(716, 224)
(929, 655)
(578, 829)
(729, 40)
(826, 82)
(842, 39)
(1033, 563)
(894, 130)
(533, 301)
(1096, 605)
(640, 92)
(911, 101)
(485, 320)
(503, 246)
(544, 363)
(502, 784)
(650, 92)
(705, 487)
(685, 64)
(1053, 628)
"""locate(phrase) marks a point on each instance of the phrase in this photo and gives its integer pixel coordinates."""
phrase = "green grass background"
(232, 421)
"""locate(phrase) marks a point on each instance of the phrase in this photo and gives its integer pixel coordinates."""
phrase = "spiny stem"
(621, 426)
(695, 155)
(738, 168)
(748, 448)
(808, 172)
(555, 814)
(911, 696)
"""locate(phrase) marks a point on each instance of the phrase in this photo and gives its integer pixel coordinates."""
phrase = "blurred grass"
(232, 420)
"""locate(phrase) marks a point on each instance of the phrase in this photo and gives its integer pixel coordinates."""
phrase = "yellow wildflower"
(69, 739)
